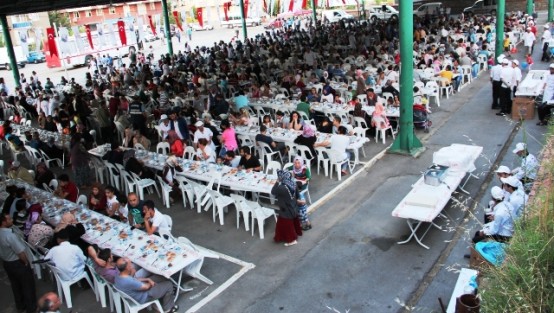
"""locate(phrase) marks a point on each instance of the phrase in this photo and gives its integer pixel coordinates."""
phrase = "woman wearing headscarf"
(175, 144)
(379, 113)
(288, 225)
(307, 138)
(360, 83)
(97, 198)
(300, 172)
(168, 175)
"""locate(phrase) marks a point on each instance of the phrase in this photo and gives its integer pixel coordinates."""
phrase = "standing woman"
(168, 175)
(79, 161)
(288, 225)
(360, 83)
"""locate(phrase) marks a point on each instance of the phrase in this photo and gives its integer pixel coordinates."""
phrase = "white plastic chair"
(166, 189)
(169, 221)
(64, 286)
(219, 203)
(322, 160)
(33, 155)
(113, 175)
(268, 152)
(2, 173)
(260, 214)
(380, 129)
(272, 166)
(304, 152)
(360, 132)
(362, 98)
(132, 306)
(336, 159)
(189, 153)
(99, 169)
(33, 255)
(120, 131)
(187, 191)
(48, 160)
(242, 207)
(82, 200)
(433, 91)
(128, 182)
(163, 148)
(100, 286)
(143, 183)
(139, 146)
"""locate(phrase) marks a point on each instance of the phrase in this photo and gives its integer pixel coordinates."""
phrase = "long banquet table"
(158, 255)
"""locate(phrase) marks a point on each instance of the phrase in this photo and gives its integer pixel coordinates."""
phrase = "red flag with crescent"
(152, 25)
(291, 5)
(245, 8)
(52, 42)
(122, 35)
(226, 9)
(89, 36)
(199, 17)
(177, 19)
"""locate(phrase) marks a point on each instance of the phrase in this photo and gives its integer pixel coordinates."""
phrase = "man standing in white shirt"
(517, 76)
(545, 39)
(495, 80)
(68, 258)
(506, 79)
(529, 40)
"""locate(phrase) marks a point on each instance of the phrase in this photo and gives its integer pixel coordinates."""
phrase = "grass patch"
(525, 282)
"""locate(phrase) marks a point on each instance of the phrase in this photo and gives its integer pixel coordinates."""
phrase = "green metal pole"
(244, 31)
(9, 47)
(550, 4)
(499, 42)
(406, 142)
(167, 28)
(530, 7)
(314, 14)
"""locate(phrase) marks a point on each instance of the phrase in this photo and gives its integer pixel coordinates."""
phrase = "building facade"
(102, 13)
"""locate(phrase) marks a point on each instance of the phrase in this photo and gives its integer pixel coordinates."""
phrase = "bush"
(525, 282)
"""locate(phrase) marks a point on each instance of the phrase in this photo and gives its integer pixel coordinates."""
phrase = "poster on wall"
(23, 39)
(64, 40)
(78, 39)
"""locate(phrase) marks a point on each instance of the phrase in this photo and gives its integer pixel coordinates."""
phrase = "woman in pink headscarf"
(307, 138)
(379, 114)
(360, 83)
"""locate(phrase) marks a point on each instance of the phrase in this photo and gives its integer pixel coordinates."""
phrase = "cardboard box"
(523, 108)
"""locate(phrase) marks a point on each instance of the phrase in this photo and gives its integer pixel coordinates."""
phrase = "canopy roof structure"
(14, 7)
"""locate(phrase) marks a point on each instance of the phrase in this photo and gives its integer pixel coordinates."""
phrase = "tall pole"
(499, 42)
(167, 28)
(9, 47)
(530, 7)
(314, 13)
(406, 142)
(243, 18)
(550, 9)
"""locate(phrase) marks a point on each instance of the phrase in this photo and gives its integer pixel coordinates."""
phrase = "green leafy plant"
(525, 281)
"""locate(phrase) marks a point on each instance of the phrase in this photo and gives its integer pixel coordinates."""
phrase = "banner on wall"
(24, 41)
(152, 28)
(177, 20)
(122, 34)
(111, 34)
(226, 6)
(63, 32)
(78, 39)
(140, 26)
(38, 39)
(100, 32)
(199, 17)
(246, 4)
(89, 36)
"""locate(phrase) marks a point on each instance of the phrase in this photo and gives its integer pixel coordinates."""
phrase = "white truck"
(332, 16)
(236, 21)
(383, 12)
(104, 44)
(5, 59)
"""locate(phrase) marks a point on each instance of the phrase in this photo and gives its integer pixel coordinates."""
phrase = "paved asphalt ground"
(350, 261)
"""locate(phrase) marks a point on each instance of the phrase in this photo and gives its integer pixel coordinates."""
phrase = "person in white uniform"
(68, 258)
(516, 197)
(527, 171)
(501, 228)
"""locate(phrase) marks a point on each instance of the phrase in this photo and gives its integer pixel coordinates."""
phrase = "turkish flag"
(199, 17)
(265, 7)
(52, 41)
(304, 4)
(245, 8)
(89, 36)
(226, 9)
(152, 25)
(122, 35)
(291, 5)
(177, 19)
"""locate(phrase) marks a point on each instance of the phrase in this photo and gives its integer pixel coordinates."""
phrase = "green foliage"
(2, 41)
(525, 282)
(58, 18)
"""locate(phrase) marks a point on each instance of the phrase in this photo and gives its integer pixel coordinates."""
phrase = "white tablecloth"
(153, 253)
(532, 85)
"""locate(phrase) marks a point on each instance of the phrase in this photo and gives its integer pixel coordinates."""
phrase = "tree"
(59, 19)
